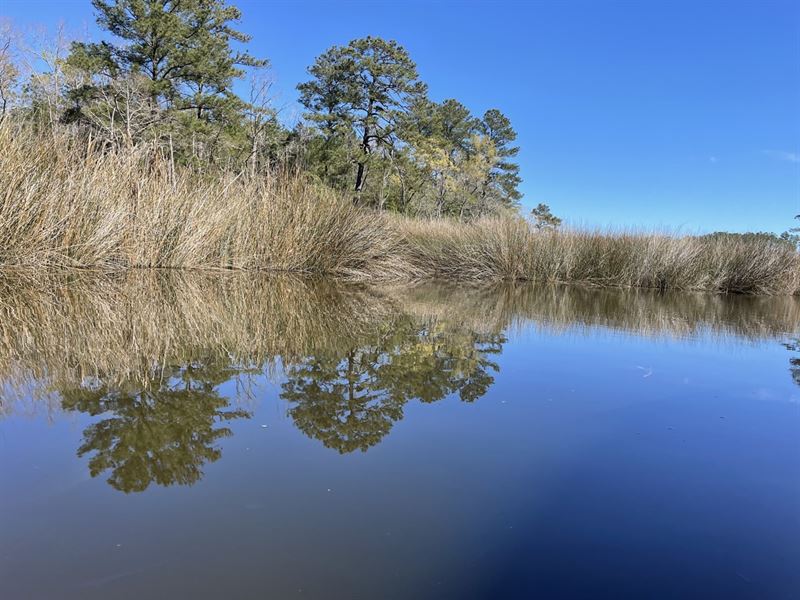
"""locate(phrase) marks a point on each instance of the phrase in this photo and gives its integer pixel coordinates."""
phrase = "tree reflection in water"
(164, 429)
(350, 400)
(793, 345)
(352, 357)
(160, 431)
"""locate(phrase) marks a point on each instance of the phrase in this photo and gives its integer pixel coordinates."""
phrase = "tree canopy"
(375, 129)
(182, 48)
(164, 76)
(361, 90)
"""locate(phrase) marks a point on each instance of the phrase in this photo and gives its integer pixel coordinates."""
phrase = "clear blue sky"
(682, 115)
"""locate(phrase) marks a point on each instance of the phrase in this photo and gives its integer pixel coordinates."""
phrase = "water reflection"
(146, 356)
(161, 431)
(350, 399)
(794, 363)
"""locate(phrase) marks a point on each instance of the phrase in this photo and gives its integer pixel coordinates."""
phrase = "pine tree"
(792, 235)
(447, 143)
(504, 177)
(361, 89)
(543, 218)
(180, 54)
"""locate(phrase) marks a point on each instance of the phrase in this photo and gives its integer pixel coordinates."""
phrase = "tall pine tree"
(504, 177)
(361, 90)
(180, 53)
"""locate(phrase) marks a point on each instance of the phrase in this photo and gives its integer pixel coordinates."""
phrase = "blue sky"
(665, 114)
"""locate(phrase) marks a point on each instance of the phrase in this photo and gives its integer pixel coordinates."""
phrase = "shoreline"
(34, 275)
(66, 204)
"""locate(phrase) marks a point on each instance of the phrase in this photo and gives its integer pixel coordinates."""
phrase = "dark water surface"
(225, 437)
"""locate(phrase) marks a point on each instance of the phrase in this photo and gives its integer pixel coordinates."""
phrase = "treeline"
(164, 78)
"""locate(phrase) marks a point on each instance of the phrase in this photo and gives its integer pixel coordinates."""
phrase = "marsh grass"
(507, 249)
(65, 332)
(67, 203)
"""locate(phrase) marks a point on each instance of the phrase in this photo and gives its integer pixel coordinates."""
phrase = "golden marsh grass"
(66, 203)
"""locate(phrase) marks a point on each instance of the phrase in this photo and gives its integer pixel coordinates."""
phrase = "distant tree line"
(164, 77)
(791, 236)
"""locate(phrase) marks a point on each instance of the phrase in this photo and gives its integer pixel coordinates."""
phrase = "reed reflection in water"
(164, 363)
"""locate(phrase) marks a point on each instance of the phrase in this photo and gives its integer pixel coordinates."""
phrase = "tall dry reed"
(67, 203)
(510, 249)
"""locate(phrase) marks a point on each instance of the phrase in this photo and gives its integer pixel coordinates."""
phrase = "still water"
(231, 437)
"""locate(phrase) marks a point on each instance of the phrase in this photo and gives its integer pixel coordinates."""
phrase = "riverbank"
(68, 203)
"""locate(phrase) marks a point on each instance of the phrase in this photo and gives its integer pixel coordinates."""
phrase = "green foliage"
(163, 79)
(463, 159)
(360, 91)
(442, 143)
(404, 151)
(543, 218)
(160, 432)
(756, 237)
(504, 176)
(178, 67)
(182, 47)
(792, 235)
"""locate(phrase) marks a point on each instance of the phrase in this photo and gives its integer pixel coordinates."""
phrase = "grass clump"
(66, 202)
(510, 249)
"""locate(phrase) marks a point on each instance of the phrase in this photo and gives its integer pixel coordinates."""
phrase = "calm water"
(240, 438)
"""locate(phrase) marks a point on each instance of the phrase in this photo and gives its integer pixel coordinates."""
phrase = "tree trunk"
(254, 155)
(360, 177)
(361, 172)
